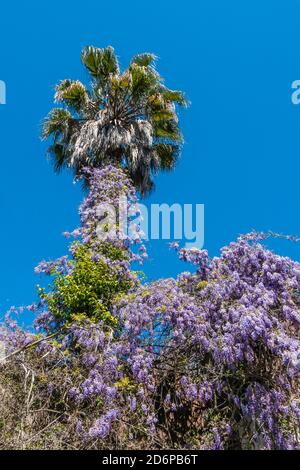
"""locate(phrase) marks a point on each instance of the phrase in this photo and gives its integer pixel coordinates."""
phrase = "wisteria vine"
(210, 360)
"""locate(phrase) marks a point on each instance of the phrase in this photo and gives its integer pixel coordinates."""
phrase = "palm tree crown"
(126, 119)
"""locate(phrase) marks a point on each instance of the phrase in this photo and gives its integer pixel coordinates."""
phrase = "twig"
(44, 429)
(30, 345)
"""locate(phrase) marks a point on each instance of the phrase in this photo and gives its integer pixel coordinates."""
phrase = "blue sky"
(235, 61)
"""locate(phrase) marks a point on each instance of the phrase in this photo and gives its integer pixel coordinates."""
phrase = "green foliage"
(88, 291)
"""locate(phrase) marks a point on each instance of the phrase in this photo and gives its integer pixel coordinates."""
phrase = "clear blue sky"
(236, 61)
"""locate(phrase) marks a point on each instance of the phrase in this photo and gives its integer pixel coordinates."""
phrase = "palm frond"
(144, 60)
(174, 96)
(57, 152)
(168, 130)
(101, 63)
(167, 155)
(56, 122)
(72, 93)
(143, 80)
(162, 115)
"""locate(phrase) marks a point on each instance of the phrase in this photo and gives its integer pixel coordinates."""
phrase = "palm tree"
(126, 119)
